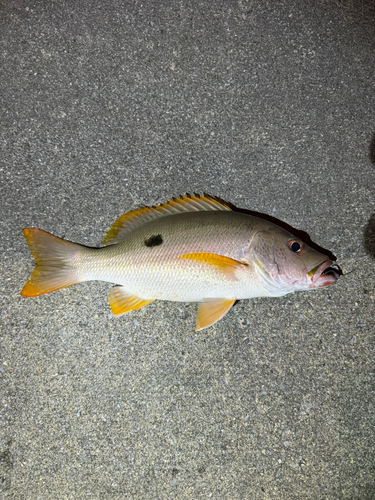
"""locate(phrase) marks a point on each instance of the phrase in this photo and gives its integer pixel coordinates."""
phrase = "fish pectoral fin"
(225, 264)
(211, 310)
(121, 302)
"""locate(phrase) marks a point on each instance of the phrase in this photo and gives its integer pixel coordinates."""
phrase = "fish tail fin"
(56, 263)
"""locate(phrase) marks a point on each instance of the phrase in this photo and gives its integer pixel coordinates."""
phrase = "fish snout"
(324, 274)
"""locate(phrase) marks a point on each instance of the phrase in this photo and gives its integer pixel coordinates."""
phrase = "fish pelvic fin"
(189, 203)
(225, 264)
(212, 310)
(55, 259)
(122, 302)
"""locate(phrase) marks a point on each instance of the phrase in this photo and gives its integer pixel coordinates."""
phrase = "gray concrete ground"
(109, 105)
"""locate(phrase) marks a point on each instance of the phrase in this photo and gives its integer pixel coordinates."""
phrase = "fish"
(194, 248)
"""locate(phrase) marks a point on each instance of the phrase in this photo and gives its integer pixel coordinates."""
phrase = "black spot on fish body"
(154, 241)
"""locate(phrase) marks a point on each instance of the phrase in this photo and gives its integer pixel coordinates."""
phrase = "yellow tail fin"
(56, 263)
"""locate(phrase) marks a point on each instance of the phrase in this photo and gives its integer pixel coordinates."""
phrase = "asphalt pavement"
(106, 106)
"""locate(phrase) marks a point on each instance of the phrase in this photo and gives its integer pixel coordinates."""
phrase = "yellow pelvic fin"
(53, 257)
(121, 302)
(211, 310)
(225, 264)
(135, 218)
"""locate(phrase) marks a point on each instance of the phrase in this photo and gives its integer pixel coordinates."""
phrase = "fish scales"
(159, 272)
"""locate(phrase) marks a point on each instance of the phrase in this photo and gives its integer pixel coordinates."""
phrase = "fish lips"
(324, 274)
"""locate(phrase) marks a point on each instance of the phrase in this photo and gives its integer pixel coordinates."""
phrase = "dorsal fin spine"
(188, 203)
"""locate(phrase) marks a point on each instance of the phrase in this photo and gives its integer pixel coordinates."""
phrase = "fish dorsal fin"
(189, 203)
(211, 310)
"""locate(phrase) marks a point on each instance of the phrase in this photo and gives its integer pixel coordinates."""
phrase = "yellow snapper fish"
(191, 249)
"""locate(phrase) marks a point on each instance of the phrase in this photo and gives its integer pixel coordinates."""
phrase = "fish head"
(285, 264)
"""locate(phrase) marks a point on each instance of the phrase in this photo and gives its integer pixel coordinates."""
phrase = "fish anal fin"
(212, 310)
(225, 264)
(122, 302)
(187, 203)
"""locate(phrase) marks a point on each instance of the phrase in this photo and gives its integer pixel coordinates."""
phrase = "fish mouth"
(324, 274)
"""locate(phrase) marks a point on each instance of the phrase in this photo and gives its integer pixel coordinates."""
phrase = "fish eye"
(295, 246)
